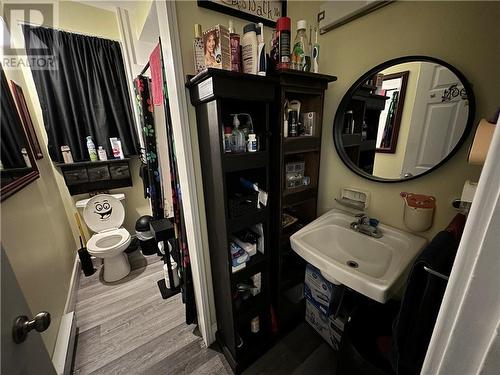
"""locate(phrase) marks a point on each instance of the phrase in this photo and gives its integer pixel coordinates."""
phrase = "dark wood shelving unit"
(366, 107)
(216, 94)
(288, 269)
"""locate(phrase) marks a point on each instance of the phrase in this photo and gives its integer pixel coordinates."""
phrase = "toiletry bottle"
(293, 124)
(199, 57)
(315, 52)
(26, 158)
(283, 27)
(102, 153)
(228, 139)
(301, 57)
(91, 149)
(66, 154)
(249, 49)
(238, 136)
(253, 143)
(261, 50)
(234, 40)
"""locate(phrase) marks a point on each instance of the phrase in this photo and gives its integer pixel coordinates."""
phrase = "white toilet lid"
(103, 212)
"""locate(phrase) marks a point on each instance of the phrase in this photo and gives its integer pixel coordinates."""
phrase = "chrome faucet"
(363, 225)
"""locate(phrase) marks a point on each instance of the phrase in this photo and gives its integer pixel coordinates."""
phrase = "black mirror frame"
(339, 115)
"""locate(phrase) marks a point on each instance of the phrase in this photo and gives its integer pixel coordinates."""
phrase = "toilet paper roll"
(481, 143)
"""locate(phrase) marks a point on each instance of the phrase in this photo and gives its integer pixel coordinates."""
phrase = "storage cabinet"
(294, 207)
(231, 207)
(87, 176)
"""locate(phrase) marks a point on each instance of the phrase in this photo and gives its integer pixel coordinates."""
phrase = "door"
(30, 356)
(436, 124)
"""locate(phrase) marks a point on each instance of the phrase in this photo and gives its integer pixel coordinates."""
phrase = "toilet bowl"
(104, 215)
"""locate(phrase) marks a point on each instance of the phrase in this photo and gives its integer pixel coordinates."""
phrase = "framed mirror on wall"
(17, 164)
(403, 119)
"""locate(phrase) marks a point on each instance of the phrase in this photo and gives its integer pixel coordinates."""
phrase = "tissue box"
(331, 329)
(217, 48)
(323, 294)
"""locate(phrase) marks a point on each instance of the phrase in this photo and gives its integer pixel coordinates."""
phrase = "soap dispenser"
(238, 136)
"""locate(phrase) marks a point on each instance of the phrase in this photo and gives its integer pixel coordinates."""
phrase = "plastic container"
(238, 137)
(301, 56)
(102, 154)
(261, 51)
(253, 143)
(418, 211)
(91, 149)
(249, 49)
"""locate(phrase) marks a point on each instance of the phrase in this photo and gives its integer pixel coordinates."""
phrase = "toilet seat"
(109, 242)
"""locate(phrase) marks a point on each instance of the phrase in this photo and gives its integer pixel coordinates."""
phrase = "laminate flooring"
(127, 328)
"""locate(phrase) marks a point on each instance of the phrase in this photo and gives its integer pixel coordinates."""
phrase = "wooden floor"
(127, 328)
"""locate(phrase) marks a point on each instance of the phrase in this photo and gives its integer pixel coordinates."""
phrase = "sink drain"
(352, 264)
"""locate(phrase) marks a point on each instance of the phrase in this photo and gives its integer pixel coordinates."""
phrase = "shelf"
(350, 140)
(248, 220)
(253, 266)
(295, 145)
(300, 197)
(368, 145)
(251, 307)
(88, 162)
(245, 160)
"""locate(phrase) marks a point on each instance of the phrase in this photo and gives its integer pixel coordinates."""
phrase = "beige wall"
(38, 241)
(38, 227)
(465, 34)
(390, 165)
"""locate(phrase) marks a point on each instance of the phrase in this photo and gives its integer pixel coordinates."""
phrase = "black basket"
(243, 204)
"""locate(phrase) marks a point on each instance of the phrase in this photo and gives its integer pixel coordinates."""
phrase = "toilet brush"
(85, 259)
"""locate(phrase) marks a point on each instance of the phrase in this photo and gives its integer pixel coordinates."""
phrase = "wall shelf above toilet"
(87, 176)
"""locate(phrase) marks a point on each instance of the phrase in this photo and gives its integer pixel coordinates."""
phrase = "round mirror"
(403, 119)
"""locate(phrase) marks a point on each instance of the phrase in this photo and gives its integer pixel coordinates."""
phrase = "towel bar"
(435, 273)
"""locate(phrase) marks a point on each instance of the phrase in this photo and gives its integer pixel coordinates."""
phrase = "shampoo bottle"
(91, 149)
(199, 57)
(261, 50)
(249, 49)
(234, 40)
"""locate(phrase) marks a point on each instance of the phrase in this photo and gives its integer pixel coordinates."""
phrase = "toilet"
(104, 215)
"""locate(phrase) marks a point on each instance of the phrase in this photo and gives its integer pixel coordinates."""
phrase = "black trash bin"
(145, 236)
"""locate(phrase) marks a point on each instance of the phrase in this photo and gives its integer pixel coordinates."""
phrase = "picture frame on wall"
(265, 11)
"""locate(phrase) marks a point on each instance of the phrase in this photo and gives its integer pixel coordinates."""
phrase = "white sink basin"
(374, 267)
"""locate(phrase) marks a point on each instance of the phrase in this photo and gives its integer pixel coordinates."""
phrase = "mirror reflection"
(16, 161)
(403, 120)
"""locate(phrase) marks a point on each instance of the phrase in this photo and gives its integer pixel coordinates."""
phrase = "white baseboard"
(65, 344)
(73, 286)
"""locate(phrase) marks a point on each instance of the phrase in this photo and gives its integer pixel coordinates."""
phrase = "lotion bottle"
(249, 48)
(91, 149)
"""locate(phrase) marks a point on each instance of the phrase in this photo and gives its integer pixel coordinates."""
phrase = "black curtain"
(187, 287)
(85, 93)
(12, 137)
(144, 103)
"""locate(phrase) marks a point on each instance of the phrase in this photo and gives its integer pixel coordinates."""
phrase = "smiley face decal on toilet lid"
(103, 212)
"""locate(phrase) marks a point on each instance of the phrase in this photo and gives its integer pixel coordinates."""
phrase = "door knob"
(22, 325)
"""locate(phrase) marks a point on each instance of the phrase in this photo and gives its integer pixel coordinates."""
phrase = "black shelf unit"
(288, 269)
(216, 94)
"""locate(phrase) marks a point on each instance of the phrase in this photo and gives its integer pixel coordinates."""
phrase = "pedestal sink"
(374, 267)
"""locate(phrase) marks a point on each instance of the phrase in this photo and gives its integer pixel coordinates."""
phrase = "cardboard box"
(217, 48)
(331, 329)
(319, 291)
